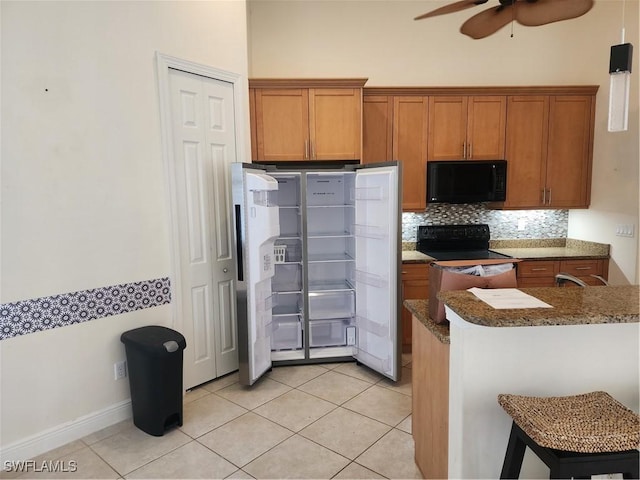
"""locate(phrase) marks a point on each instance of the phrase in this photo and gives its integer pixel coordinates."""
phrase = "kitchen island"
(588, 340)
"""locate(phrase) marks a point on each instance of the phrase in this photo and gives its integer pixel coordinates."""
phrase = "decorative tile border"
(34, 315)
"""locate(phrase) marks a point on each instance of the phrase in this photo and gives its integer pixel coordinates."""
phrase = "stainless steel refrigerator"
(318, 259)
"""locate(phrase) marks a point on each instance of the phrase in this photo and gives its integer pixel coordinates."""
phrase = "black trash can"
(154, 357)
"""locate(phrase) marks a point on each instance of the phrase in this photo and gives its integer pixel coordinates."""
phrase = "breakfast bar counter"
(587, 341)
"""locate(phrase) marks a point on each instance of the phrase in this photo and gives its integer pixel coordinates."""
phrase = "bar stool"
(575, 436)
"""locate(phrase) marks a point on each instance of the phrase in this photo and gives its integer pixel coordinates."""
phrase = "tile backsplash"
(504, 224)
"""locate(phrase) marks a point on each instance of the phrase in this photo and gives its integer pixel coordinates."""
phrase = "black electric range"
(456, 242)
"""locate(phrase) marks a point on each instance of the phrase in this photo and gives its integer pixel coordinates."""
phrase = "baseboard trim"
(68, 432)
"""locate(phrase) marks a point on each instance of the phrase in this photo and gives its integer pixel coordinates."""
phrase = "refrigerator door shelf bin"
(377, 329)
(369, 193)
(286, 333)
(371, 279)
(371, 231)
(265, 198)
(327, 305)
(328, 333)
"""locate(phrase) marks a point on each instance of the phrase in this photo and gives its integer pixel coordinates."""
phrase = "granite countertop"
(571, 306)
(527, 249)
(420, 310)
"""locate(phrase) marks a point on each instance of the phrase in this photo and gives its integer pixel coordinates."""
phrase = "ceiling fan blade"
(451, 8)
(542, 12)
(487, 22)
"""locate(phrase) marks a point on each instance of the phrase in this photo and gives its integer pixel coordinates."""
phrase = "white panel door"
(204, 146)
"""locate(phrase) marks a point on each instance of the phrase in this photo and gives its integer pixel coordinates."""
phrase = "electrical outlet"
(120, 369)
(627, 230)
(522, 223)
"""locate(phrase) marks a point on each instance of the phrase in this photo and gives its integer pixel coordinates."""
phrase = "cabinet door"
(410, 116)
(335, 123)
(377, 129)
(486, 127)
(415, 285)
(569, 152)
(252, 123)
(281, 121)
(526, 150)
(447, 128)
(537, 273)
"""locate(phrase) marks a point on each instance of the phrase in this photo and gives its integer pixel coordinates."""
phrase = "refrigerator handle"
(240, 268)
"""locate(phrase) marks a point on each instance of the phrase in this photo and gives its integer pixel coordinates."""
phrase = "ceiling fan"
(526, 12)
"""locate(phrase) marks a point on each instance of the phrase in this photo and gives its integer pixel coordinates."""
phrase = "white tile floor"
(324, 421)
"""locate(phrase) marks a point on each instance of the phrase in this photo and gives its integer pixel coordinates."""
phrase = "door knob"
(225, 270)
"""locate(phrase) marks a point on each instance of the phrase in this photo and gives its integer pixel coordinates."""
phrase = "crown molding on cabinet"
(307, 82)
(498, 90)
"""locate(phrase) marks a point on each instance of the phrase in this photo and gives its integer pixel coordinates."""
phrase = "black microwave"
(466, 181)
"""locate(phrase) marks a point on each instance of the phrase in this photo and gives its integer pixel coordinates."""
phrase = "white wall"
(380, 40)
(538, 361)
(84, 203)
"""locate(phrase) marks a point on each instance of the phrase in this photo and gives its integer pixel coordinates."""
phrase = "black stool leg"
(514, 455)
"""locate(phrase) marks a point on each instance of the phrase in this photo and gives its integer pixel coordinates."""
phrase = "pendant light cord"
(623, 5)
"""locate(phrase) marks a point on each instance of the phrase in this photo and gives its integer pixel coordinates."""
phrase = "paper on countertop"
(502, 298)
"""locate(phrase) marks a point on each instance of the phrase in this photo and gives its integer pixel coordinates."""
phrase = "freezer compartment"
(328, 333)
(286, 333)
(288, 189)
(335, 188)
(330, 305)
(287, 278)
(290, 221)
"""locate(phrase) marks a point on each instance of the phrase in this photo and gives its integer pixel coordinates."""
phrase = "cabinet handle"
(470, 152)
(539, 269)
(549, 196)
(464, 149)
(583, 268)
(544, 196)
(306, 149)
(313, 150)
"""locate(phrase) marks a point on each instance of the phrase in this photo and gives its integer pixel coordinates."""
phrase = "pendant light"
(619, 83)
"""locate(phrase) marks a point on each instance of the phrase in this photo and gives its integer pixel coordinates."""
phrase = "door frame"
(240, 101)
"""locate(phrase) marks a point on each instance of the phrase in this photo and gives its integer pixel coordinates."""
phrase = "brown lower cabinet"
(415, 285)
(541, 273)
(430, 402)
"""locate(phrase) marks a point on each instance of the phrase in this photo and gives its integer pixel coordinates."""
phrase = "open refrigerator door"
(377, 245)
(257, 227)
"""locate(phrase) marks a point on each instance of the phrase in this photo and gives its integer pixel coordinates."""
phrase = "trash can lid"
(154, 339)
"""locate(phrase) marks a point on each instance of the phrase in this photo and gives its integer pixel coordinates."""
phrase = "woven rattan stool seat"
(590, 423)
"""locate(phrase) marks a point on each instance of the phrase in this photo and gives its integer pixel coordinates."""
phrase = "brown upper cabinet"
(395, 128)
(549, 150)
(306, 119)
(467, 127)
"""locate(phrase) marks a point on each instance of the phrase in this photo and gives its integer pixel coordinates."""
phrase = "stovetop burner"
(456, 242)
